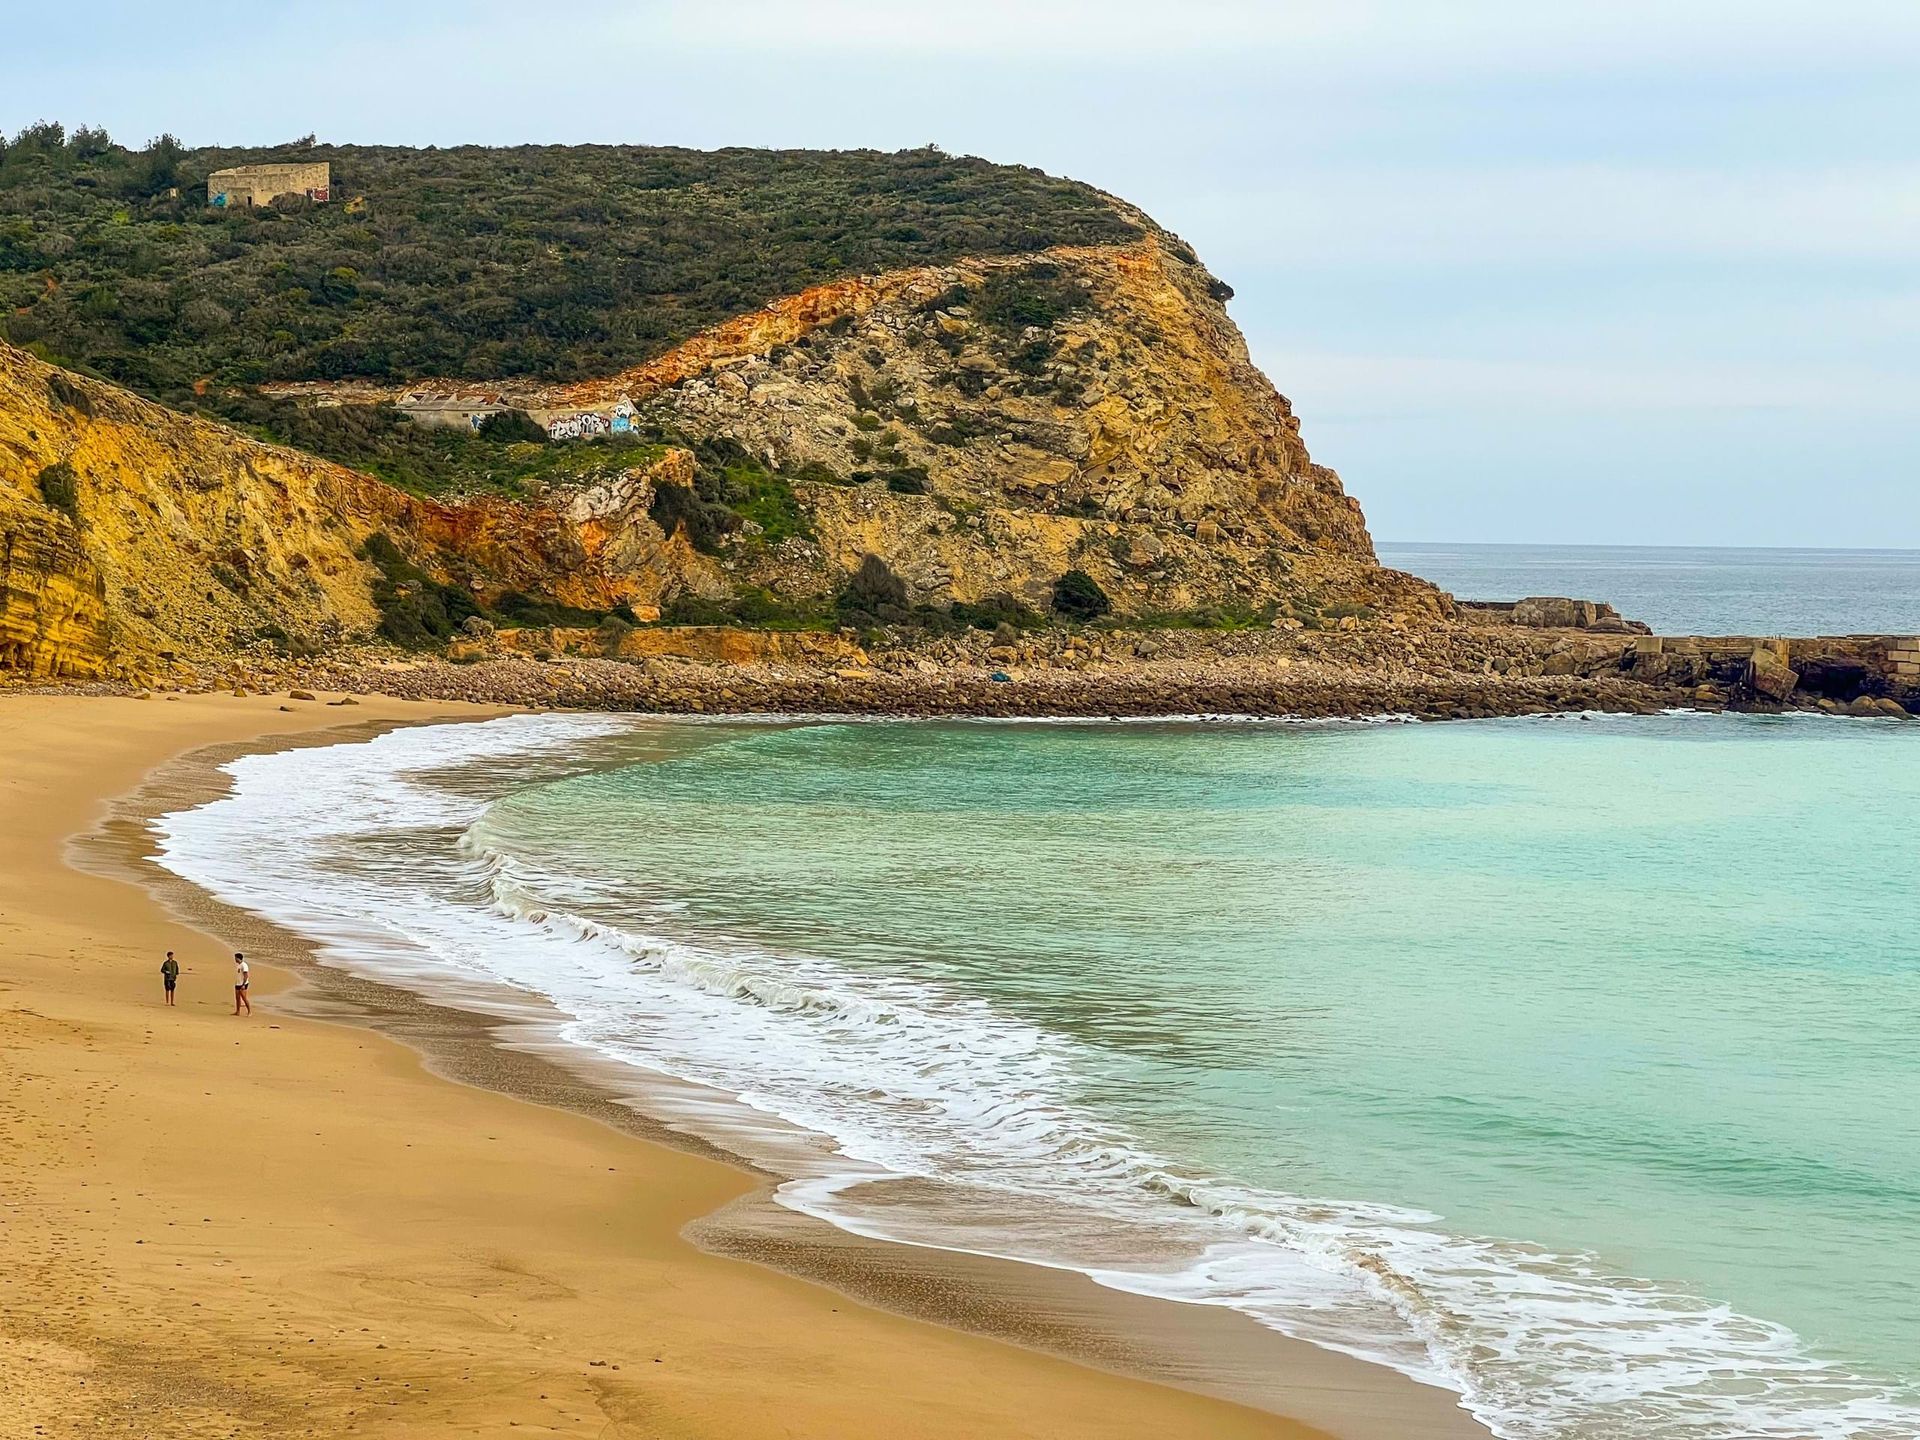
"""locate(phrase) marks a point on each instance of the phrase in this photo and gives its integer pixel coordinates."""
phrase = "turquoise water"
(1574, 1063)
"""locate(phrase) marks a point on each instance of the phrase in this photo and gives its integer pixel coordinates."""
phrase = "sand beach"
(291, 1225)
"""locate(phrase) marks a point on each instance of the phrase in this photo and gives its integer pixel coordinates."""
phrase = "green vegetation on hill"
(555, 262)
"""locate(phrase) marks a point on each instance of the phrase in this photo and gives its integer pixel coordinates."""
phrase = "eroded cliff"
(982, 427)
(133, 535)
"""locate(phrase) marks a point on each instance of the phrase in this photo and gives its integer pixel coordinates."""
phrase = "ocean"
(1691, 591)
(1566, 1062)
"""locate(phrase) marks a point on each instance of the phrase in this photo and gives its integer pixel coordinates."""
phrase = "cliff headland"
(706, 460)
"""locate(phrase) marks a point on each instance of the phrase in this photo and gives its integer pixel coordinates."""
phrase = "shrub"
(510, 427)
(677, 507)
(990, 612)
(60, 488)
(1035, 295)
(1078, 596)
(690, 609)
(816, 472)
(65, 392)
(610, 632)
(415, 609)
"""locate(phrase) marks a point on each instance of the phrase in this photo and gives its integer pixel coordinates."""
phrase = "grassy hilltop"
(546, 262)
(557, 262)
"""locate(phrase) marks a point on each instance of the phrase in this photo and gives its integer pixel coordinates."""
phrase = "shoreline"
(1455, 672)
(1212, 1356)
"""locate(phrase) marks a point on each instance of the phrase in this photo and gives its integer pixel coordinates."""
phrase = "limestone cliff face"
(985, 426)
(182, 536)
(1090, 408)
(53, 613)
(177, 537)
(982, 427)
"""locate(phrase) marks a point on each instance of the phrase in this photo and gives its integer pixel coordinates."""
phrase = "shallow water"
(1570, 1062)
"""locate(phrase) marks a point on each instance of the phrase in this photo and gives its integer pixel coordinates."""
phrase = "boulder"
(1769, 677)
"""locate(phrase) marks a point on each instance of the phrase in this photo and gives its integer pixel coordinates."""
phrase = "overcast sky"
(1629, 271)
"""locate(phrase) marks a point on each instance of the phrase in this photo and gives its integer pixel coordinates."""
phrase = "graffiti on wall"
(587, 426)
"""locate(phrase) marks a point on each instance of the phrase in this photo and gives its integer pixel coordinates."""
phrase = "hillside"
(544, 262)
(999, 432)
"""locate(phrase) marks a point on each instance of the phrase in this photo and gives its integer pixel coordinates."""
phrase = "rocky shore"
(1306, 691)
(1354, 669)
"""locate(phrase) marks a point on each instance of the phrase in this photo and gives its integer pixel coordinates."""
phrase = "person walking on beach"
(169, 972)
(240, 979)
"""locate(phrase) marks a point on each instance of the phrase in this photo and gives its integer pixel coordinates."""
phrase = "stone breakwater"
(1861, 675)
(701, 689)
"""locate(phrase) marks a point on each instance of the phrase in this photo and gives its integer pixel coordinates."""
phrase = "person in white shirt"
(240, 979)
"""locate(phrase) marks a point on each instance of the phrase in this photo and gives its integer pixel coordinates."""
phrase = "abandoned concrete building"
(260, 184)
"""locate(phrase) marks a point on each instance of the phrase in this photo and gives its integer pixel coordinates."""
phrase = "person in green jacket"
(169, 973)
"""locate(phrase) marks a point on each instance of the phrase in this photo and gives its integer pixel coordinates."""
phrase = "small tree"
(159, 165)
(1078, 596)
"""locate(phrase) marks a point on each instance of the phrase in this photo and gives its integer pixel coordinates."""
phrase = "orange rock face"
(185, 539)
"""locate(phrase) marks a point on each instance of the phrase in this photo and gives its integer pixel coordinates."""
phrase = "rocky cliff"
(985, 427)
(981, 427)
(132, 535)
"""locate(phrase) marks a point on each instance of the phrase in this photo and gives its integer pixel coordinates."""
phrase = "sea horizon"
(1688, 589)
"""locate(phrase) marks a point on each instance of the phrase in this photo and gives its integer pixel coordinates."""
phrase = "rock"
(1769, 677)
(1557, 612)
(475, 627)
(1554, 612)
(300, 695)
(1865, 707)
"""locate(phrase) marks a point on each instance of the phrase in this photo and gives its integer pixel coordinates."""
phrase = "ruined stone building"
(260, 184)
